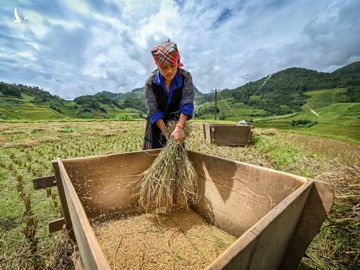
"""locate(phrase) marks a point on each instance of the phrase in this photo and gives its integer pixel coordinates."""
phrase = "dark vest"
(169, 108)
(153, 137)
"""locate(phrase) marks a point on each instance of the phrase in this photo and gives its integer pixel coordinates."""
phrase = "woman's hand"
(178, 134)
(166, 134)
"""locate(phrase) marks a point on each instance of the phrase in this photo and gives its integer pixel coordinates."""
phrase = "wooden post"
(56, 225)
(44, 182)
(216, 108)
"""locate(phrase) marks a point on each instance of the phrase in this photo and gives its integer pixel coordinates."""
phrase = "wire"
(257, 91)
(233, 111)
(261, 86)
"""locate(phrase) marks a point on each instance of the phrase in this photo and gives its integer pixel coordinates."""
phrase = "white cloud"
(165, 23)
(84, 47)
(78, 6)
(26, 55)
(136, 10)
(69, 25)
(36, 23)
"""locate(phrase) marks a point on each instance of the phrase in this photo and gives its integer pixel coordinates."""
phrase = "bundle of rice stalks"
(170, 182)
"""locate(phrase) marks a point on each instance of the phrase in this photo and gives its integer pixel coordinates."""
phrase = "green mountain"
(136, 98)
(351, 69)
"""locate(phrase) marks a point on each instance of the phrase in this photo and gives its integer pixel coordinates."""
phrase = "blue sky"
(76, 47)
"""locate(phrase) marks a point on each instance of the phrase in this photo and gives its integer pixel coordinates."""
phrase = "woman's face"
(169, 71)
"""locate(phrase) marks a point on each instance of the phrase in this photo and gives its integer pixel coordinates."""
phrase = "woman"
(170, 97)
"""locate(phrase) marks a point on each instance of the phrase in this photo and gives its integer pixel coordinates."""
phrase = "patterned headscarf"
(166, 53)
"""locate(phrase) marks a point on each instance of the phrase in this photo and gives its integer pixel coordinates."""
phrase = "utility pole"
(216, 108)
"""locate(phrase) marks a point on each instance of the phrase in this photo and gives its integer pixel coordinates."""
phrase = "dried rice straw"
(170, 182)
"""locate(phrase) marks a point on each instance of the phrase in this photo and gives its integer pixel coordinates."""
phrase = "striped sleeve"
(188, 95)
(153, 110)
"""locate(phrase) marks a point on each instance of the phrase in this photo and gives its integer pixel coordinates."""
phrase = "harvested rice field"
(26, 151)
(177, 240)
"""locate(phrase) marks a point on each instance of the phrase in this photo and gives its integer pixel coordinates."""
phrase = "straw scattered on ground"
(178, 240)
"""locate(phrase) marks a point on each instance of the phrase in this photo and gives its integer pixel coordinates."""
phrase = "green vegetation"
(13, 108)
(328, 114)
(303, 123)
(31, 103)
(338, 164)
(285, 156)
(230, 108)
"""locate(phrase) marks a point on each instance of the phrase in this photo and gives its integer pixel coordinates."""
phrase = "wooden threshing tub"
(225, 134)
(274, 215)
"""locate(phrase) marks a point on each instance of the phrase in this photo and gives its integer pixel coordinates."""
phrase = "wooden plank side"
(231, 134)
(317, 207)
(108, 182)
(44, 182)
(56, 225)
(91, 253)
(78, 264)
(263, 246)
(64, 206)
(204, 130)
(235, 195)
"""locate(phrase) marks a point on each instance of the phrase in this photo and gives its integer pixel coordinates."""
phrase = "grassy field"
(232, 110)
(12, 109)
(334, 117)
(17, 109)
(28, 148)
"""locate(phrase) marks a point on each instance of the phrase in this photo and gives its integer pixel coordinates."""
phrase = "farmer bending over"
(170, 97)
